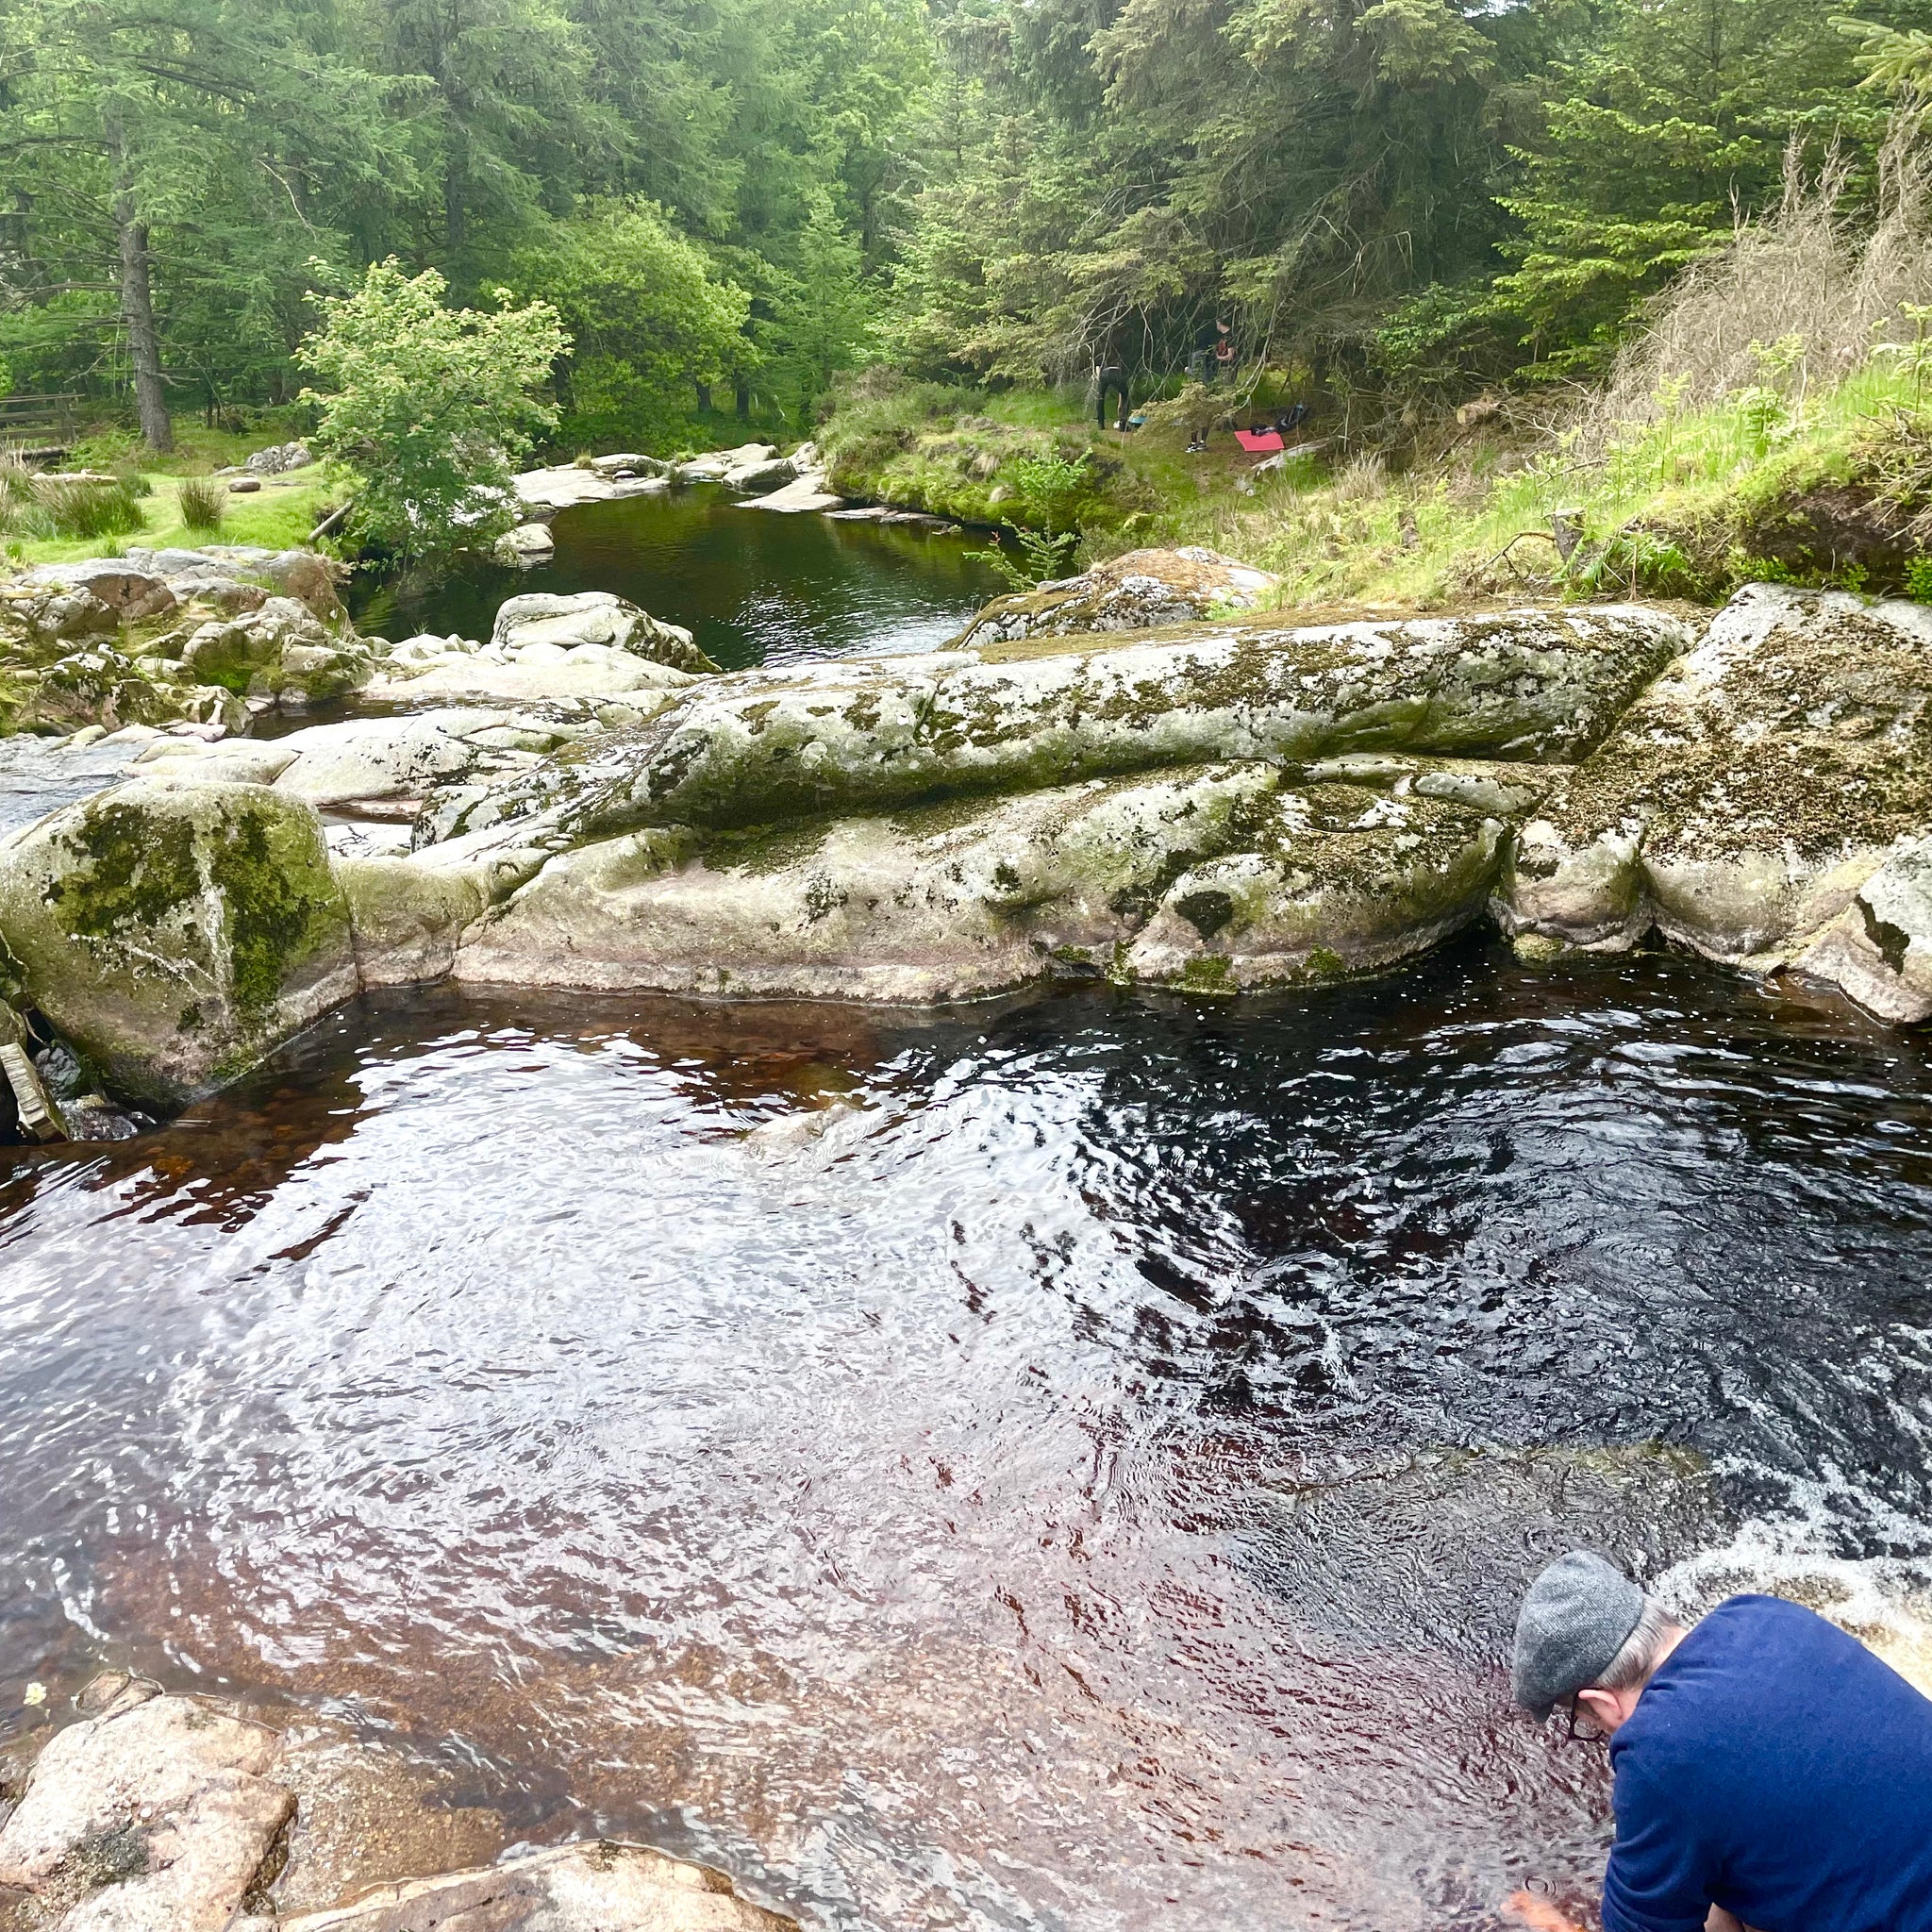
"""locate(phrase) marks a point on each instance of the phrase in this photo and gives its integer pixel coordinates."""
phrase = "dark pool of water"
(756, 587)
(1053, 1464)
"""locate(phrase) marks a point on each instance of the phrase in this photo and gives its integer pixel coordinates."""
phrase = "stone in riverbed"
(1142, 591)
(1212, 879)
(526, 546)
(594, 617)
(176, 932)
(1760, 804)
(599, 1886)
(153, 1817)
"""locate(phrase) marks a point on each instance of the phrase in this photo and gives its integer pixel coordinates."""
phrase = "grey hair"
(1633, 1664)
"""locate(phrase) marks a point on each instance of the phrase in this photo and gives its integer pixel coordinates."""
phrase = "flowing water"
(1061, 1463)
(1065, 1463)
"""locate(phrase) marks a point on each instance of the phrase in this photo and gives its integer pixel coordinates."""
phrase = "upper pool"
(755, 587)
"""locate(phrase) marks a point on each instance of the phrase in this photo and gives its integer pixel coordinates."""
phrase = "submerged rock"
(155, 1816)
(1764, 802)
(599, 1886)
(176, 932)
(1142, 591)
(165, 1813)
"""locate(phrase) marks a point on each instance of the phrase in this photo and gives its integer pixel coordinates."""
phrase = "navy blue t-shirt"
(1773, 1766)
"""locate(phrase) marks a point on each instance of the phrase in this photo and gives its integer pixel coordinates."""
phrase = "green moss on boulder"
(177, 932)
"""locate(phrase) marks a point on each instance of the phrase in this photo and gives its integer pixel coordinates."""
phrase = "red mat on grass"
(1258, 441)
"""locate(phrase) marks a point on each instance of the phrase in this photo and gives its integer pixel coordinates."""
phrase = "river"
(1064, 1462)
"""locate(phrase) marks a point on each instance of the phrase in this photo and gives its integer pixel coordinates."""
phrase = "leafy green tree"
(430, 404)
(820, 314)
(648, 321)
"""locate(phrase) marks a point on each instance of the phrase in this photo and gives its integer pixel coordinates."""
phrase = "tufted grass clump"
(204, 502)
(86, 507)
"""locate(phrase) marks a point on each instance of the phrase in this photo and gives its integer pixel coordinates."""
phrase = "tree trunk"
(744, 402)
(703, 390)
(137, 305)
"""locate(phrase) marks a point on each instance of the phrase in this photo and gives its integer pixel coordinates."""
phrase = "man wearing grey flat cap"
(1770, 1772)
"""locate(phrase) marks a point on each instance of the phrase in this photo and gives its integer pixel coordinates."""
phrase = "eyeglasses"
(1571, 1712)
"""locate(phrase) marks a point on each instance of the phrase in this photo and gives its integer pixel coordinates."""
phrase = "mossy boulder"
(176, 932)
(1742, 804)
(280, 652)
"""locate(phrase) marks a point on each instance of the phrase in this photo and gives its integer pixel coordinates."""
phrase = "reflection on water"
(755, 587)
(1065, 1463)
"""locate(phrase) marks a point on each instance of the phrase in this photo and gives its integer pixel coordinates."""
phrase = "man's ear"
(1602, 1704)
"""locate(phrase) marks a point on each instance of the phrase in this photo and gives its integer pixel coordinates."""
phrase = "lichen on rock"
(1745, 799)
(868, 734)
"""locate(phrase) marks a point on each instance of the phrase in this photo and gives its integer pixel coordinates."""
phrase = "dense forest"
(728, 201)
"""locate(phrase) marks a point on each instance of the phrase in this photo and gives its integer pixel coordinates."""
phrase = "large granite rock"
(594, 617)
(867, 734)
(163, 1813)
(1142, 591)
(92, 599)
(1216, 879)
(545, 491)
(176, 932)
(1764, 802)
(156, 1816)
(385, 764)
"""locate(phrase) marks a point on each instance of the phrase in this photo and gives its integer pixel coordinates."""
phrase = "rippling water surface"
(1063, 1464)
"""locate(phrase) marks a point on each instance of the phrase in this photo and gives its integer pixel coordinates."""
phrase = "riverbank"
(1831, 490)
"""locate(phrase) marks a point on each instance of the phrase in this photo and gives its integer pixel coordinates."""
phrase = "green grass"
(1689, 506)
(278, 518)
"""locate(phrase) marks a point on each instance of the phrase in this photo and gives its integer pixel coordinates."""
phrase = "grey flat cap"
(1573, 1620)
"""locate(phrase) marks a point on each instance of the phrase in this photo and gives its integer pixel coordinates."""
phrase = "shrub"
(430, 404)
(204, 502)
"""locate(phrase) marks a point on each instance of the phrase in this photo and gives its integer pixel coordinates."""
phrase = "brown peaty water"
(1066, 1463)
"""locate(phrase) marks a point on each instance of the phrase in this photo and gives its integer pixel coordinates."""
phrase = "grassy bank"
(276, 515)
(1833, 485)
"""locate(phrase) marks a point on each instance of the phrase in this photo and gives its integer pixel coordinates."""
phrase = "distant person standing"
(1109, 378)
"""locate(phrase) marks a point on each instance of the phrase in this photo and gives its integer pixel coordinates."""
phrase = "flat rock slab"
(561, 488)
(153, 1817)
(600, 1887)
(807, 492)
